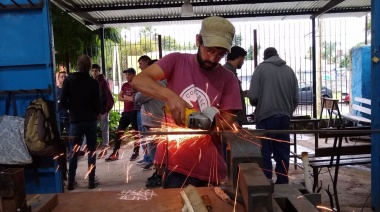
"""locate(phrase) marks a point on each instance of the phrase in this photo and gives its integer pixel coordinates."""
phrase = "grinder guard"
(204, 120)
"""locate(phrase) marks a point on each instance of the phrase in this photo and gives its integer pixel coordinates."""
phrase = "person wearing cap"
(235, 60)
(274, 92)
(195, 81)
(129, 115)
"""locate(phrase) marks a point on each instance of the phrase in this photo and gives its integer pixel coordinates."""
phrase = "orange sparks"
(189, 173)
(89, 170)
(325, 208)
(236, 192)
(284, 167)
(56, 170)
(129, 166)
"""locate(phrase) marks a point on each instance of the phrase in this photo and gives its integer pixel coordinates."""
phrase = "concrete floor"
(117, 175)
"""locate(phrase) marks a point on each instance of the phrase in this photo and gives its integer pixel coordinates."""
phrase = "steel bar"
(198, 132)
(325, 131)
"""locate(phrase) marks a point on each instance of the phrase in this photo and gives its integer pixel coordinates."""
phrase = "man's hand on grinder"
(177, 108)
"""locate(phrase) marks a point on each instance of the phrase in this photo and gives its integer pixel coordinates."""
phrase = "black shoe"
(152, 177)
(93, 184)
(134, 156)
(71, 185)
(154, 183)
(148, 167)
(81, 153)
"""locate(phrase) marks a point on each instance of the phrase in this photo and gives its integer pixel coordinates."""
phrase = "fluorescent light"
(187, 9)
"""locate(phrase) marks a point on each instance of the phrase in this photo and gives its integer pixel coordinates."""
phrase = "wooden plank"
(361, 109)
(344, 150)
(167, 200)
(363, 100)
(42, 202)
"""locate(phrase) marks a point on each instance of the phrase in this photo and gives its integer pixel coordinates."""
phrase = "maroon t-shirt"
(198, 156)
(128, 90)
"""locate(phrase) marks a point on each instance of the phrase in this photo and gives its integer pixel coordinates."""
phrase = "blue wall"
(361, 73)
(26, 53)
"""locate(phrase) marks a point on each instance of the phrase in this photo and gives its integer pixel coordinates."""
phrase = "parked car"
(346, 98)
(306, 93)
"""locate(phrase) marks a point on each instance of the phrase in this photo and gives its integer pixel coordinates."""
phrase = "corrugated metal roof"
(128, 13)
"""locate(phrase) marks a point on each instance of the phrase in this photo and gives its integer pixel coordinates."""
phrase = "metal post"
(313, 47)
(159, 46)
(102, 51)
(255, 52)
(375, 107)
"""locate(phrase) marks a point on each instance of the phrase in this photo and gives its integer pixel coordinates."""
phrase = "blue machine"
(26, 65)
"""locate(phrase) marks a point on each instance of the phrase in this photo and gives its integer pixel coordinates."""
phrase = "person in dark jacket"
(81, 96)
(274, 92)
(235, 60)
(107, 103)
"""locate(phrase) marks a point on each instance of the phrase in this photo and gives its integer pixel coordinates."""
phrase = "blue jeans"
(150, 148)
(280, 150)
(78, 130)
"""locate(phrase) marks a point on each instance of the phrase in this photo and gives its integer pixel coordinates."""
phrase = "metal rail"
(323, 131)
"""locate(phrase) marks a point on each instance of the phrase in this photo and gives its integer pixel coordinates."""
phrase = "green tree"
(72, 38)
(328, 51)
(250, 52)
(169, 43)
(237, 40)
(345, 62)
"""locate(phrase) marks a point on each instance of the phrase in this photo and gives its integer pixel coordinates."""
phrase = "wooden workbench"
(161, 200)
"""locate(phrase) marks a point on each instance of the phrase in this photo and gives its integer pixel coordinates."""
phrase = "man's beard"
(205, 64)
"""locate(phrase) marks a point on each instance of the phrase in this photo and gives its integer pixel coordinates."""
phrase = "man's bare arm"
(146, 83)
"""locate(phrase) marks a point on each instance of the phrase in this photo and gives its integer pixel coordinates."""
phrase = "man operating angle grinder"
(196, 81)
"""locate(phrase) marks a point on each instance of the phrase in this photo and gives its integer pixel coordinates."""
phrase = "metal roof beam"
(331, 4)
(293, 13)
(154, 5)
(73, 8)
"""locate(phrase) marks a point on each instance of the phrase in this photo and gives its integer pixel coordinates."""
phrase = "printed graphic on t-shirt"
(196, 97)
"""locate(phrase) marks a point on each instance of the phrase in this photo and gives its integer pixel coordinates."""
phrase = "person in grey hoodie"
(274, 92)
(152, 115)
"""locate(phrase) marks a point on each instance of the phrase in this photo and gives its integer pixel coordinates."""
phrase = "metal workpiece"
(289, 198)
(323, 131)
(255, 188)
(250, 134)
(184, 132)
(12, 190)
(257, 193)
(242, 147)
